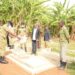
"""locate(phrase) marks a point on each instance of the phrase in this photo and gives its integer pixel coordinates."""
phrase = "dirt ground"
(13, 69)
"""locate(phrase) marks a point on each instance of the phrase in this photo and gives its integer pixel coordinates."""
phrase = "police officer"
(64, 40)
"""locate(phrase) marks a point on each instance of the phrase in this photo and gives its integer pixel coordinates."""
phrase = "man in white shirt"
(35, 36)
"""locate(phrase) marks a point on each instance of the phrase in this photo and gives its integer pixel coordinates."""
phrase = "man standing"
(35, 37)
(46, 37)
(64, 40)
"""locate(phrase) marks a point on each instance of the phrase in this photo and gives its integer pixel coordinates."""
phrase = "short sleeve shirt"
(64, 34)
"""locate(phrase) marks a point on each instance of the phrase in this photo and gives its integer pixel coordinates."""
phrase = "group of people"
(36, 37)
(7, 30)
(63, 40)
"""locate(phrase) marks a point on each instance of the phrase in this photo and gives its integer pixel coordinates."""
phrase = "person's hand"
(18, 38)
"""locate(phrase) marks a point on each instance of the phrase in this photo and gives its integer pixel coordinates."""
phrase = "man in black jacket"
(35, 37)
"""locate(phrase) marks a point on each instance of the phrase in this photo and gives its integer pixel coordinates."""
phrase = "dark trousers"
(38, 44)
(34, 46)
(8, 43)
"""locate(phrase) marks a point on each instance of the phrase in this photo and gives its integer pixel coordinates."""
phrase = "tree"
(61, 11)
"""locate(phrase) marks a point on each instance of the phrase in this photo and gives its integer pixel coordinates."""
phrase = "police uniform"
(3, 41)
(64, 35)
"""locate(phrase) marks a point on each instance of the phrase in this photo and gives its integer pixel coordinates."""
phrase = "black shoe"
(62, 66)
(2, 60)
(33, 54)
(61, 63)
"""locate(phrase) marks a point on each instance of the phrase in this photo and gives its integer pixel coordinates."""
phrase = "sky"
(50, 3)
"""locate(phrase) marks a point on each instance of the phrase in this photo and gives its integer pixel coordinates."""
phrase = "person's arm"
(8, 30)
(49, 34)
(38, 34)
(66, 32)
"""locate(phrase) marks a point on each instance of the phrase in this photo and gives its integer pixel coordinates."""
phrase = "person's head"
(61, 23)
(37, 24)
(22, 25)
(46, 28)
(10, 23)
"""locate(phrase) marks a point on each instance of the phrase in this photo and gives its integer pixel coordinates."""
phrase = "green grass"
(72, 45)
(55, 46)
(71, 54)
(71, 68)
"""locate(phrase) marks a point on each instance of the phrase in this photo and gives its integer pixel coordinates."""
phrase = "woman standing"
(46, 37)
(9, 38)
